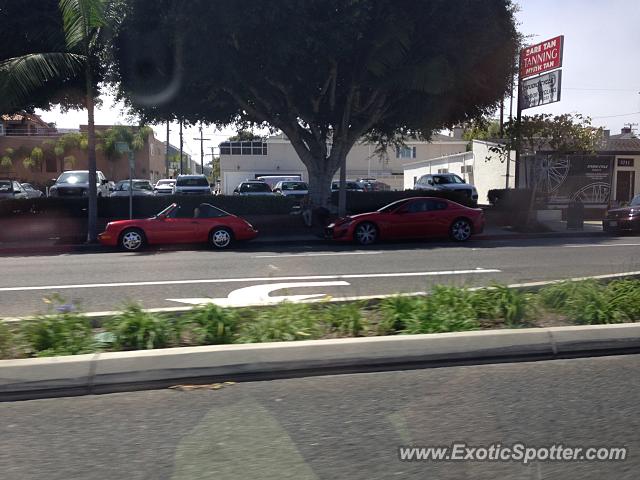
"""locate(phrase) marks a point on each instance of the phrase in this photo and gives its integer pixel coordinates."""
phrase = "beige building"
(240, 161)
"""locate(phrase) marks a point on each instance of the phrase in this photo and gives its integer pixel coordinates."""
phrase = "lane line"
(331, 254)
(250, 280)
(593, 245)
(111, 313)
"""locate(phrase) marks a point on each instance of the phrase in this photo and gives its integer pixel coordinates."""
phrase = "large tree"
(324, 72)
(43, 71)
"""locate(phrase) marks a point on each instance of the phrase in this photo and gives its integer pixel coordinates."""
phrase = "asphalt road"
(335, 427)
(172, 278)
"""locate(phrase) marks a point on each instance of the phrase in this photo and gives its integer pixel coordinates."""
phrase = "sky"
(600, 73)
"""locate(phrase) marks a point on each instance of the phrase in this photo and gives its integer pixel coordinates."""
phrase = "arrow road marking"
(259, 295)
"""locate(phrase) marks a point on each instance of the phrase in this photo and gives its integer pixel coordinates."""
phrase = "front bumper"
(108, 239)
(625, 224)
(338, 233)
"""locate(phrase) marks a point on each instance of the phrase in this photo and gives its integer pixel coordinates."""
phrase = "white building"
(480, 167)
(240, 161)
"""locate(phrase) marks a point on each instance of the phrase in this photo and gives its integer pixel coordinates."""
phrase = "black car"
(625, 219)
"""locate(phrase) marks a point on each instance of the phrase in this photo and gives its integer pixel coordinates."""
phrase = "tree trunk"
(320, 177)
(92, 230)
(342, 193)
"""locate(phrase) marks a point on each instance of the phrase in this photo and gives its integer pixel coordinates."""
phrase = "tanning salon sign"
(541, 90)
(542, 57)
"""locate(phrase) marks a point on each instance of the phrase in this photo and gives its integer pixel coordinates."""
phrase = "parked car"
(141, 188)
(253, 188)
(111, 185)
(351, 186)
(10, 189)
(417, 217)
(75, 183)
(179, 224)
(446, 181)
(31, 191)
(192, 185)
(291, 189)
(273, 179)
(164, 186)
(373, 185)
(626, 219)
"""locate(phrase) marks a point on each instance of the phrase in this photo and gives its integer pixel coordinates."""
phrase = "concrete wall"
(489, 172)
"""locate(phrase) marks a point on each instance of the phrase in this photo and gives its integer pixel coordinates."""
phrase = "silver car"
(290, 188)
(446, 181)
(10, 189)
(141, 188)
(164, 186)
(192, 185)
(31, 191)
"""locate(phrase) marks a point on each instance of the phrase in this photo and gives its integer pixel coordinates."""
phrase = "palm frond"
(81, 18)
(19, 76)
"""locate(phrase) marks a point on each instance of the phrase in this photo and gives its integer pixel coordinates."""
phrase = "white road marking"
(477, 270)
(329, 254)
(595, 245)
(259, 295)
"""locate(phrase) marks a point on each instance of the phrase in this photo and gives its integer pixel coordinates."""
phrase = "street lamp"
(123, 147)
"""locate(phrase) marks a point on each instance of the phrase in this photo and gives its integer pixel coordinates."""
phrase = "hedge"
(510, 199)
(143, 207)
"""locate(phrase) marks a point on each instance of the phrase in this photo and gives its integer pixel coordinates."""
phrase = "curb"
(130, 371)
(82, 247)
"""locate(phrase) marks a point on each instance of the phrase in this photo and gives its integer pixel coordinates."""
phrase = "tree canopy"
(324, 72)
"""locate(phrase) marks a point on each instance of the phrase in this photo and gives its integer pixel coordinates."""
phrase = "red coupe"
(176, 224)
(418, 217)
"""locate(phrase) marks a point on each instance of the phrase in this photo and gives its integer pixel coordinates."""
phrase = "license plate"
(613, 224)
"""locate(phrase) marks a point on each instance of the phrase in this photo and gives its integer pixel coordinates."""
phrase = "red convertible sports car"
(176, 224)
(418, 217)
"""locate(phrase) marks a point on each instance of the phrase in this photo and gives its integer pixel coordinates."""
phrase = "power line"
(620, 115)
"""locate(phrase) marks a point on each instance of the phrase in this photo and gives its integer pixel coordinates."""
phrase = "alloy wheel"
(461, 230)
(132, 240)
(366, 234)
(221, 238)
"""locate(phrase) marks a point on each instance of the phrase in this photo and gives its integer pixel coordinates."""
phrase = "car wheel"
(366, 233)
(132, 239)
(461, 230)
(220, 238)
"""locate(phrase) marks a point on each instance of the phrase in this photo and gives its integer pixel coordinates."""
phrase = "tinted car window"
(294, 186)
(192, 182)
(5, 186)
(254, 187)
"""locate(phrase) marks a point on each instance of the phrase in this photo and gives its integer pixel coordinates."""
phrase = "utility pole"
(202, 140)
(166, 154)
(181, 147)
(501, 135)
(501, 117)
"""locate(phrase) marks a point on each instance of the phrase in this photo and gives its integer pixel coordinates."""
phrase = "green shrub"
(395, 311)
(586, 302)
(60, 334)
(625, 295)
(135, 329)
(345, 319)
(447, 309)
(285, 322)
(6, 340)
(503, 303)
(212, 325)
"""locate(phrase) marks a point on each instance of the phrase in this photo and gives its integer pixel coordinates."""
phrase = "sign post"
(537, 60)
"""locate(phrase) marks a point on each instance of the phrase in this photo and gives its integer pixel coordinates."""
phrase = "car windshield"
(294, 186)
(166, 210)
(5, 186)
(636, 201)
(392, 206)
(192, 182)
(74, 177)
(254, 187)
(137, 185)
(446, 179)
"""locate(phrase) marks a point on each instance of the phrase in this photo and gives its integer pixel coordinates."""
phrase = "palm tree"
(83, 21)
